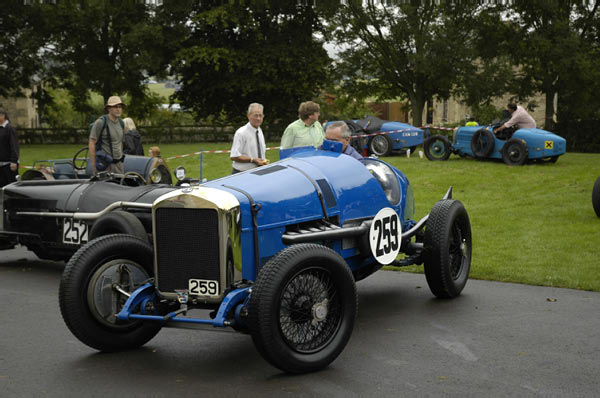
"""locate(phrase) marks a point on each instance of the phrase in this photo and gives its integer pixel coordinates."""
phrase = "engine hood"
(307, 186)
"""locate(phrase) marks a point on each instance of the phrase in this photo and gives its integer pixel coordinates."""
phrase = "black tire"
(447, 248)
(292, 325)
(596, 197)
(118, 222)
(482, 143)
(380, 145)
(92, 268)
(514, 152)
(437, 147)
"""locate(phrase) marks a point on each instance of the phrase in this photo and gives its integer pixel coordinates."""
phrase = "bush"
(581, 135)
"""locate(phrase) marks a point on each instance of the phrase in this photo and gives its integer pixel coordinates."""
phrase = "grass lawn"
(532, 224)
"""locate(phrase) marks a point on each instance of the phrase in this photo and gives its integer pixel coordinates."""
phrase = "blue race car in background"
(514, 146)
(396, 136)
(273, 252)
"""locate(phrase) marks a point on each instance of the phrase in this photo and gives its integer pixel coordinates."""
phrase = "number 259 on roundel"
(385, 235)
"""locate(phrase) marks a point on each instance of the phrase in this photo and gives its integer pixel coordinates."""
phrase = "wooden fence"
(153, 134)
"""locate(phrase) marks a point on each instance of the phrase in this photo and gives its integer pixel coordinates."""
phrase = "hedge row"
(171, 134)
(581, 136)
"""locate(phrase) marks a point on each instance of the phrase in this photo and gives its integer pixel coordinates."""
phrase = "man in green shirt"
(305, 131)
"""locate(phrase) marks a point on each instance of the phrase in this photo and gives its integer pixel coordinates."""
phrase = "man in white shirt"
(248, 148)
(519, 117)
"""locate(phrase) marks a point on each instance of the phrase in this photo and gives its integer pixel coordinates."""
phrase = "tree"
(108, 47)
(414, 50)
(236, 55)
(553, 44)
(19, 47)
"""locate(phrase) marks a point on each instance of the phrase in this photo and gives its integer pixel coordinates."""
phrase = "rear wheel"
(437, 147)
(514, 152)
(482, 143)
(596, 197)
(302, 308)
(381, 145)
(448, 244)
(88, 295)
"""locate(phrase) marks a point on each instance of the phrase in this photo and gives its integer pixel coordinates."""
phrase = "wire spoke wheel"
(380, 145)
(302, 308)
(310, 311)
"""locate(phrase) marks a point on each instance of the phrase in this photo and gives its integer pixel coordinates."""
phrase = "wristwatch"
(251, 159)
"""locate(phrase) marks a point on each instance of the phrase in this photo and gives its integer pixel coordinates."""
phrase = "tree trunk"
(549, 118)
(416, 107)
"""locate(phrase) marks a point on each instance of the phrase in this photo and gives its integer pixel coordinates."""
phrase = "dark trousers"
(7, 176)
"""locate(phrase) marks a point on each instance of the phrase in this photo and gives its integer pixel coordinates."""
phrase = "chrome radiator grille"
(187, 247)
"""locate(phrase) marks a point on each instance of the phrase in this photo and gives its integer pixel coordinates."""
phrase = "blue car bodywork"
(273, 251)
(381, 137)
(514, 147)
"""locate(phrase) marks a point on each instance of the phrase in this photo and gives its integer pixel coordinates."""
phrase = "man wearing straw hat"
(108, 129)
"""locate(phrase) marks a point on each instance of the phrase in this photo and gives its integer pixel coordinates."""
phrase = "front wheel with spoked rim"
(94, 287)
(447, 248)
(381, 145)
(302, 308)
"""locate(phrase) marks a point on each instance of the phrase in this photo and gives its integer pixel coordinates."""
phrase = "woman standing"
(132, 140)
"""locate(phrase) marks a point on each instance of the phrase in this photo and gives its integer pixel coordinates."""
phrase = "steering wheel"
(135, 176)
(81, 158)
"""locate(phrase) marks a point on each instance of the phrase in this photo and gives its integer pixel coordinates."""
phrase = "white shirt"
(521, 118)
(244, 143)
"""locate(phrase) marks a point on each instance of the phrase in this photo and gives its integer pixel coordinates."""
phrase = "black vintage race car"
(54, 217)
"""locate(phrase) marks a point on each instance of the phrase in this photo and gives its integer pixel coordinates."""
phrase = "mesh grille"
(186, 247)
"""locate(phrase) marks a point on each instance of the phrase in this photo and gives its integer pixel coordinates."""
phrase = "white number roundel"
(385, 236)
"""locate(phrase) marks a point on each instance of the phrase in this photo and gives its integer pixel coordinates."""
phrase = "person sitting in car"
(340, 132)
(519, 117)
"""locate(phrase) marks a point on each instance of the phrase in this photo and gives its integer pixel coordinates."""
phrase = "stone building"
(22, 111)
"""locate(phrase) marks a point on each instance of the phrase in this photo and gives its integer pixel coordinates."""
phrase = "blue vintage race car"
(513, 146)
(273, 252)
(394, 135)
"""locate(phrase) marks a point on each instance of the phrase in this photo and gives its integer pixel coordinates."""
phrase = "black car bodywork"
(53, 218)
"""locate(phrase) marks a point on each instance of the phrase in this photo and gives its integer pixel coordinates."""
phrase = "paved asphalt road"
(495, 340)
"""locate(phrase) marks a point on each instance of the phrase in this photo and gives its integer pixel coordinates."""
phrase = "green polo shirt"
(299, 134)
